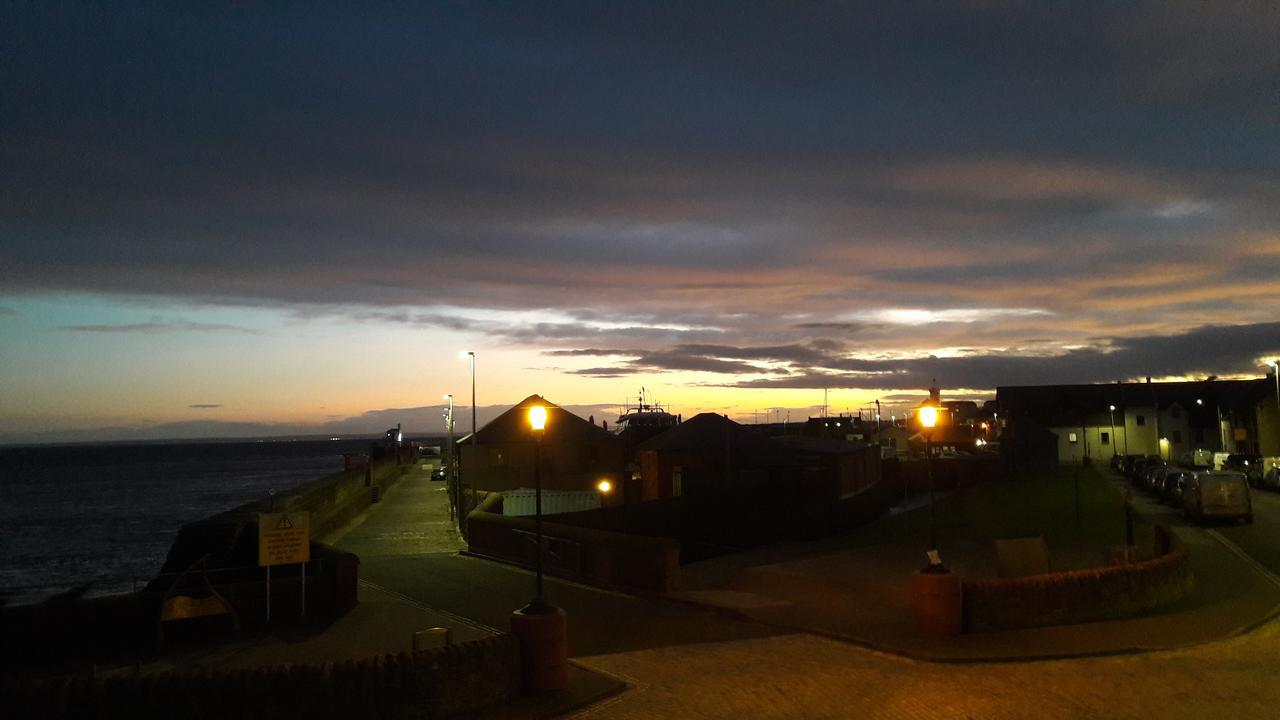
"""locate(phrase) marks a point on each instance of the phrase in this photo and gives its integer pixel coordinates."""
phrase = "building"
(576, 456)
(706, 454)
(1172, 420)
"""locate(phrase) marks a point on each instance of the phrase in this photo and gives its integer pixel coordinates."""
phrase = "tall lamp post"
(538, 423)
(451, 476)
(1275, 370)
(539, 626)
(474, 453)
(928, 419)
(1112, 410)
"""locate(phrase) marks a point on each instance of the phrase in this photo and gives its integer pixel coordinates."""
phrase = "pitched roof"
(512, 426)
(709, 431)
(1073, 404)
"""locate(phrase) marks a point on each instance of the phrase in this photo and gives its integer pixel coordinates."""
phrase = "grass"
(1027, 506)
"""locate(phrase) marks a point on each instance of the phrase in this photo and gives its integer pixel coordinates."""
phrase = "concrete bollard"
(937, 598)
(544, 648)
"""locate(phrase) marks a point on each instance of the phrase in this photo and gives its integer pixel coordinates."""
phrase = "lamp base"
(544, 646)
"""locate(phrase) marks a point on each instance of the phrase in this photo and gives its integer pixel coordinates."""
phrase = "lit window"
(1071, 438)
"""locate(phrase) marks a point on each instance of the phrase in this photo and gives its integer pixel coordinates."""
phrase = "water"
(108, 513)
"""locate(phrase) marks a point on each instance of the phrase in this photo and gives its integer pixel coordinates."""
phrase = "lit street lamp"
(540, 627)
(1112, 409)
(928, 418)
(1275, 370)
(451, 472)
(474, 453)
(538, 422)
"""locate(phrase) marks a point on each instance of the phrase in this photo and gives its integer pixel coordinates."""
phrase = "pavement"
(806, 630)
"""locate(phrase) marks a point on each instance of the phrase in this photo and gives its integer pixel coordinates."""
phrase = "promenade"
(798, 653)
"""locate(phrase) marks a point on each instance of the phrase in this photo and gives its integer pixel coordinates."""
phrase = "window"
(497, 457)
(1177, 437)
(1139, 420)
(1106, 438)
(677, 481)
(1071, 437)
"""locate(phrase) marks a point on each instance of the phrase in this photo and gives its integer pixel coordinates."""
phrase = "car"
(437, 475)
(1217, 494)
(1249, 465)
(1171, 486)
(1153, 477)
(1271, 478)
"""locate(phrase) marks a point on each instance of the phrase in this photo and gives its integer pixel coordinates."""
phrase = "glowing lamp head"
(604, 486)
(1112, 408)
(538, 417)
(928, 416)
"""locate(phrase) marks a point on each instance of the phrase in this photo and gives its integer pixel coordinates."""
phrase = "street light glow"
(604, 486)
(928, 416)
(537, 417)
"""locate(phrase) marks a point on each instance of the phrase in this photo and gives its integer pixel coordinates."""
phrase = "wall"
(597, 556)
(565, 465)
(457, 680)
(1081, 595)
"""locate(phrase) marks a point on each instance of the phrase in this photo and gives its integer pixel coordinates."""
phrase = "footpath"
(411, 520)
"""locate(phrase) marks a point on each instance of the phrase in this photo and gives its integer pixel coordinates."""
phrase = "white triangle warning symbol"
(284, 523)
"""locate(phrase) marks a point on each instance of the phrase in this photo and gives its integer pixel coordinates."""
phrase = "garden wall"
(1081, 596)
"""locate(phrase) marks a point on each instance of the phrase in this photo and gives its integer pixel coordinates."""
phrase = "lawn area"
(1027, 506)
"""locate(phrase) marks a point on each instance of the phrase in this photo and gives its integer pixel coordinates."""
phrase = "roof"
(709, 431)
(1074, 404)
(512, 426)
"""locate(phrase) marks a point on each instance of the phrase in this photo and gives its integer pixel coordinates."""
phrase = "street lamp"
(928, 415)
(539, 627)
(474, 452)
(451, 477)
(1112, 410)
(538, 423)
(1275, 371)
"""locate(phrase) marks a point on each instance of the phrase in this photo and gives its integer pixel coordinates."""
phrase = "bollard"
(937, 598)
(544, 648)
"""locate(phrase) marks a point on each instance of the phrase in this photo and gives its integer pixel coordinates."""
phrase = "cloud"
(159, 326)
(6, 312)
(205, 406)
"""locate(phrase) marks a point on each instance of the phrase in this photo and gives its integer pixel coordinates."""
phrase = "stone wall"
(1082, 595)
(457, 680)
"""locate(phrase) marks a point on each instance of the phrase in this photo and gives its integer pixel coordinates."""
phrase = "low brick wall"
(1081, 596)
(596, 556)
(445, 682)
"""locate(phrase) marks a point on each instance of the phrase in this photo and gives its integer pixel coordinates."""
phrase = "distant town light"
(605, 487)
(928, 416)
(537, 417)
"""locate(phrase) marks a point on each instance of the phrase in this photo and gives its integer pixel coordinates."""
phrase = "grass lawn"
(1027, 506)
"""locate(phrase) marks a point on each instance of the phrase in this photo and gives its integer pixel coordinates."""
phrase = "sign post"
(284, 539)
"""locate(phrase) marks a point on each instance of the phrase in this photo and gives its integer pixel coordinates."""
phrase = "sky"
(275, 217)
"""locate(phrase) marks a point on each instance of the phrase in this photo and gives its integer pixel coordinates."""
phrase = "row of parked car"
(1202, 494)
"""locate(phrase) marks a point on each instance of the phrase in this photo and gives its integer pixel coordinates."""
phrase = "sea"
(105, 515)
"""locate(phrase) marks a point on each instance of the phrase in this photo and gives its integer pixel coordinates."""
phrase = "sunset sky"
(250, 220)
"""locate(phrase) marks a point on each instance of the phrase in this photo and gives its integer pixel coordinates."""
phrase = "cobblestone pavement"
(808, 676)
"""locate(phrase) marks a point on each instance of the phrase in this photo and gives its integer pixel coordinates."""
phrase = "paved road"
(804, 676)
(408, 546)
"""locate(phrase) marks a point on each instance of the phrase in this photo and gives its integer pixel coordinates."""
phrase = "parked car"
(1217, 494)
(1171, 487)
(1271, 478)
(1249, 465)
(437, 474)
(1153, 477)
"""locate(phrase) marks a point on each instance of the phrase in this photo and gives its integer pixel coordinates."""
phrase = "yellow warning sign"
(284, 538)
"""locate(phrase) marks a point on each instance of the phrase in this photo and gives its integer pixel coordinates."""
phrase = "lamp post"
(474, 453)
(1275, 372)
(451, 473)
(538, 423)
(539, 626)
(1112, 410)
(928, 419)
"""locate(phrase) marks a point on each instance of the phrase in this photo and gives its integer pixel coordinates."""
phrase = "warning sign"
(284, 538)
